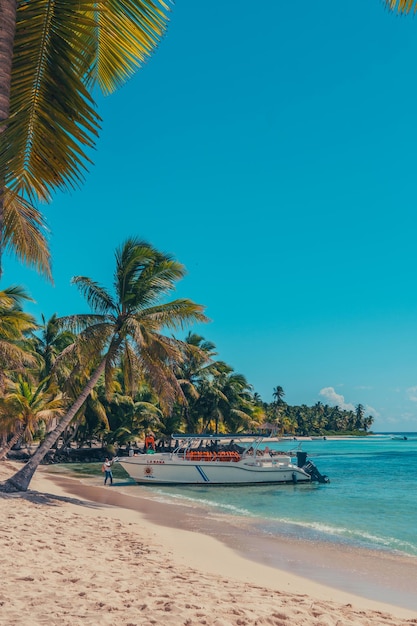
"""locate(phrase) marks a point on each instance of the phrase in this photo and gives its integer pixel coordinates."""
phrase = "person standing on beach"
(108, 474)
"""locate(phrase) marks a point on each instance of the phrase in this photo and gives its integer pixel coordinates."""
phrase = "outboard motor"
(301, 458)
(311, 469)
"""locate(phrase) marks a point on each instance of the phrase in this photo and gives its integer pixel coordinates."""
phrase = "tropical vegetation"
(105, 377)
(124, 329)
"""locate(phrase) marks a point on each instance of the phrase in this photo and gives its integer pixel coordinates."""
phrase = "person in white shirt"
(108, 475)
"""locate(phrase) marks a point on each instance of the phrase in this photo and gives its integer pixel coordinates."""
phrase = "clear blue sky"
(272, 150)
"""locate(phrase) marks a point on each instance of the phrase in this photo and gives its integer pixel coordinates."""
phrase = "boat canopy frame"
(187, 443)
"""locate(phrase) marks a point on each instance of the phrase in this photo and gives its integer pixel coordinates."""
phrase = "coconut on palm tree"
(127, 322)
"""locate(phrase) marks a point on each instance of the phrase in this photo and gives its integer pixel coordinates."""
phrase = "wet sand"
(376, 576)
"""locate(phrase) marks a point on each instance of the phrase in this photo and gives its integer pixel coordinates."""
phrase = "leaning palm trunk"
(9, 445)
(21, 480)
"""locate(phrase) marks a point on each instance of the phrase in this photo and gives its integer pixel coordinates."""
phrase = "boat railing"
(200, 448)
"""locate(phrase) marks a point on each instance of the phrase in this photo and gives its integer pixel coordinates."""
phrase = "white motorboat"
(220, 460)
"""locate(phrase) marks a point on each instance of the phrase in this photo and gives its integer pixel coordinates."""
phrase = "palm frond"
(158, 355)
(402, 6)
(98, 409)
(156, 281)
(131, 259)
(93, 340)
(13, 356)
(175, 314)
(52, 114)
(97, 297)
(79, 322)
(127, 33)
(113, 354)
(147, 408)
(167, 349)
(162, 379)
(143, 274)
(14, 323)
(25, 233)
(13, 296)
(188, 386)
(54, 409)
(130, 369)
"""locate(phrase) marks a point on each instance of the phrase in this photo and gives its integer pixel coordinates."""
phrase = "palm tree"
(197, 366)
(367, 422)
(129, 416)
(52, 55)
(278, 393)
(15, 324)
(238, 413)
(25, 406)
(359, 416)
(91, 420)
(129, 322)
(225, 401)
(49, 343)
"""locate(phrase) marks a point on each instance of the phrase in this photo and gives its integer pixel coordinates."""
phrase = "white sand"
(73, 562)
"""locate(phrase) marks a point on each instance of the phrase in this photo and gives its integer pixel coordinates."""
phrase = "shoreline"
(370, 575)
(163, 570)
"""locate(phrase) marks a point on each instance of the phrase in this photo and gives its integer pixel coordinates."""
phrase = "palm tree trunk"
(21, 480)
(9, 445)
(7, 32)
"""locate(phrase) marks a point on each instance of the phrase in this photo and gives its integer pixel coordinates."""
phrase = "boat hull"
(163, 469)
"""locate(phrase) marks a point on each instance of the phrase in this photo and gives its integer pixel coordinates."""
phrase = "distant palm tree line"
(317, 419)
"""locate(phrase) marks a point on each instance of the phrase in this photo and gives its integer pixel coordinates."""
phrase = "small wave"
(352, 536)
(195, 502)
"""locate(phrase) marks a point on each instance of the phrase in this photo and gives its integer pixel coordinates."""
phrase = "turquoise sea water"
(371, 501)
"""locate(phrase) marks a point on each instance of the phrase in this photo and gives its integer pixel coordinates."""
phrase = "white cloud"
(412, 393)
(369, 410)
(405, 421)
(336, 398)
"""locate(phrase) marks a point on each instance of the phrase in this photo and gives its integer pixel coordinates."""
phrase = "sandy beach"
(72, 560)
